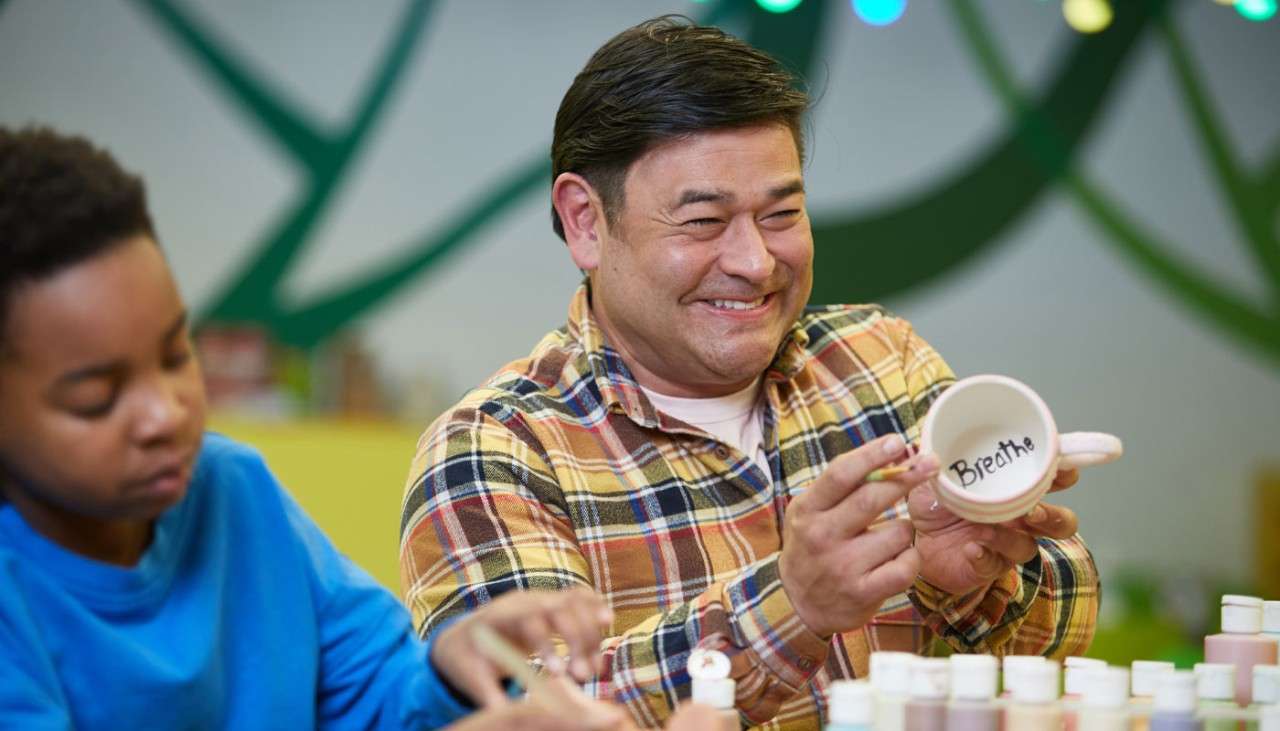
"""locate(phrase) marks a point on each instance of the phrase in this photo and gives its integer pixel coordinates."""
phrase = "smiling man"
(694, 443)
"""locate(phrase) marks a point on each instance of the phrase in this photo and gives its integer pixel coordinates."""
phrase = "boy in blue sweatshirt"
(153, 575)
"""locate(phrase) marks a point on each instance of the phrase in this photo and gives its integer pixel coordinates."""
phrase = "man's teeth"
(737, 304)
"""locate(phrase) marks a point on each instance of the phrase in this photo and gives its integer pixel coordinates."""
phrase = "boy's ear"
(582, 216)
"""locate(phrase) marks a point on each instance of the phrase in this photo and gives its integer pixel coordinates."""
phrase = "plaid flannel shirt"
(558, 472)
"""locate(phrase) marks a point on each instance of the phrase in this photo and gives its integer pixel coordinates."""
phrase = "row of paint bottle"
(1238, 684)
(1101, 701)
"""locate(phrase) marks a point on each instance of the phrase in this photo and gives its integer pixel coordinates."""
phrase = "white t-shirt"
(736, 419)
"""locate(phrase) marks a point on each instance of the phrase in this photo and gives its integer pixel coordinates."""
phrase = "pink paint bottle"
(927, 700)
(1241, 642)
(1104, 705)
(973, 692)
(1074, 671)
(1034, 705)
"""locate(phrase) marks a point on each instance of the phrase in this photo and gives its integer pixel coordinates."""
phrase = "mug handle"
(1088, 448)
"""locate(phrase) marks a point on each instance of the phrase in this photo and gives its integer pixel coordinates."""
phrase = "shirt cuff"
(974, 619)
(769, 627)
(447, 700)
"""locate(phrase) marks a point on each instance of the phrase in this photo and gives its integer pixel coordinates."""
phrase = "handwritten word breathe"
(983, 467)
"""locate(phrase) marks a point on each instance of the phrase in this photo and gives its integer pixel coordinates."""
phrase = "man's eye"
(785, 214)
(702, 222)
(177, 359)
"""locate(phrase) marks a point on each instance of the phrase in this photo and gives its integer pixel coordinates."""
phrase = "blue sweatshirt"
(241, 614)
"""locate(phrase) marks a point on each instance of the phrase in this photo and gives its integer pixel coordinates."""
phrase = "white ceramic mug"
(999, 448)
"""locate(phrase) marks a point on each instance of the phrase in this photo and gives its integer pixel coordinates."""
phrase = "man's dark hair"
(658, 81)
(62, 201)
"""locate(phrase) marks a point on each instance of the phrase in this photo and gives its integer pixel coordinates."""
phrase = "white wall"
(1054, 305)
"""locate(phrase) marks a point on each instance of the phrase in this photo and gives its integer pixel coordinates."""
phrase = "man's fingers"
(893, 576)
(847, 471)
(1050, 521)
(882, 543)
(1064, 479)
(869, 501)
(986, 564)
(1013, 545)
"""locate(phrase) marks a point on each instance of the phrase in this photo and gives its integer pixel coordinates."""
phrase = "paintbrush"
(888, 473)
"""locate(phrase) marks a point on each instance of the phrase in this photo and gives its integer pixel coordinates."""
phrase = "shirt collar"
(618, 387)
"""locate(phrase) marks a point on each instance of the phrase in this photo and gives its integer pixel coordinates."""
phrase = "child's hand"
(529, 620)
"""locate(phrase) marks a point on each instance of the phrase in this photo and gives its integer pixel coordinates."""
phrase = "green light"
(1258, 10)
(779, 6)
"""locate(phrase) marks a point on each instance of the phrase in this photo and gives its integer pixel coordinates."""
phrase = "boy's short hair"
(62, 201)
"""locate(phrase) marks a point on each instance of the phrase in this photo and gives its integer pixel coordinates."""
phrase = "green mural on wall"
(860, 255)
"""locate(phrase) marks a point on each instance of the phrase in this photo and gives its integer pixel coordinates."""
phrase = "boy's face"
(103, 404)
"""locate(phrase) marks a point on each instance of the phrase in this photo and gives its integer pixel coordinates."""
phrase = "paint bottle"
(1144, 676)
(1104, 705)
(891, 679)
(1269, 718)
(1241, 642)
(1074, 670)
(850, 706)
(1173, 707)
(1266, 685)
(1216, 690)
(1034, 705)
(927, 698)
(1011, 666)
(1271, 620)
(973, 692)
(709, 672)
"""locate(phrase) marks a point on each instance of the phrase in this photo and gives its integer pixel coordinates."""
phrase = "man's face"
(103, 402)
(710, 261)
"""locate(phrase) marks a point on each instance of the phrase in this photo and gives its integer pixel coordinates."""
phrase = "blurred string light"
(1258, 10)
(879, 12)
(1087, 16)
(778, 6)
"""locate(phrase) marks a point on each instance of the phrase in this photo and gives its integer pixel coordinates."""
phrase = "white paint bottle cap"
(1176, 692)
(1036, 683)
(1012, 665)
(1241, 614)
(1269, 718)
(719, 693)
(930, 678)
(1215, 681)
(1266, 684)
(1106, 687)
(1271, 618)
(973, 677)
(891, 672)
(1146, 673)
(850, 703)
(1073, 671)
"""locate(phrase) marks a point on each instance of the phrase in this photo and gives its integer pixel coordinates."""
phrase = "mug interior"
(992, 440)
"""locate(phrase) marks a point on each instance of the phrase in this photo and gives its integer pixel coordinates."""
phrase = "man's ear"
(582, 216)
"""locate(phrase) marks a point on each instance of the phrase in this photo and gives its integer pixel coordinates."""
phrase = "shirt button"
(722, 452)
(805, 664)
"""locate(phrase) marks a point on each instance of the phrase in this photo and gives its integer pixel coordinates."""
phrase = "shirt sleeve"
(485, 514)
(30, 694)
(1047, 606)
(374, 671)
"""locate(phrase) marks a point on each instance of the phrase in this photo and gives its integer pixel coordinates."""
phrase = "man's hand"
(529, 620)
(959, 556)
(836, 570)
